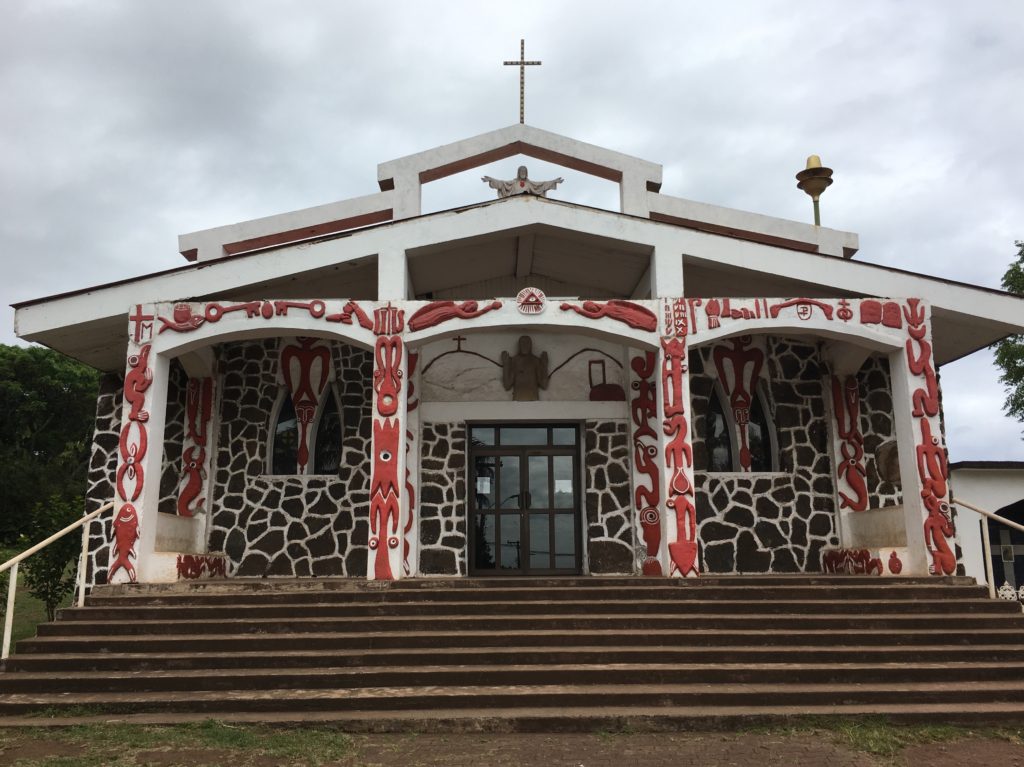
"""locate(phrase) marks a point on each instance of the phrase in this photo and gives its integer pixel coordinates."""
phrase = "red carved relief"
(193, 566)
(385, 502)
(851, 562)
(142, 325)
(895, 565)
(198, 413)
(350, 310)
(850, 461)
(738, 372)
(438, 312)
(136, 381)
(182, 321)
(626, 312)
(874, 312)
(387, 374)
(678, 457)
(306, 370)
(646, 497)
(124, 533)
(193, 469)
(132, 445)
(932, 467)
(804, 308)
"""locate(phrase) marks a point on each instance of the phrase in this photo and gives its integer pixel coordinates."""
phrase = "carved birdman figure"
(525, 373)
(521, 184)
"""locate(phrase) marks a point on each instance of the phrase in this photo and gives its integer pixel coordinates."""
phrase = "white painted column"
(647, 462)
(633, 195)
(137, 482)
(924, 473)
(389, 513)
(408, 195)
(679, 511)
(392, 275)
(667, 270)
(410, 511)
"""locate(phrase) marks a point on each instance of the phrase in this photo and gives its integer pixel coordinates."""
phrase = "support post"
(12, 589)
(388, 511)
(924, 472)
(679, 517)
(666, 270)
(137, 482)
(392, 275)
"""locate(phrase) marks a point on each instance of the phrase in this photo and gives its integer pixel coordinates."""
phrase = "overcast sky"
(125, 123)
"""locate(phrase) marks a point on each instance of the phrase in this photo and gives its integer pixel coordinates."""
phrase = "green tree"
(1010, 351)
(50, 572)
(47, 410)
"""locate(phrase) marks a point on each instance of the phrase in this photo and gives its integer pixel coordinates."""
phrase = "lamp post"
(814, 180)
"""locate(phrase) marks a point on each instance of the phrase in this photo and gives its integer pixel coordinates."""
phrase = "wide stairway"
(537, 654)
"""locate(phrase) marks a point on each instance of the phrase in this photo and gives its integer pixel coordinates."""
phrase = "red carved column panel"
(923, 463)
(196, 447)
(140, 443)
(680, 513)
(647, 464)
(851, 475)
(389, 481)
(739, 368)
(306, 368)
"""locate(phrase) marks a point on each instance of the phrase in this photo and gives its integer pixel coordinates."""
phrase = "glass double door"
(524, 500)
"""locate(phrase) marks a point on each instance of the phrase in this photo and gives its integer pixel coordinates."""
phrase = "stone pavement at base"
(579, 750)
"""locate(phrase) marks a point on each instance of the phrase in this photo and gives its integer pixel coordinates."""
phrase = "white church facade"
(521, 386)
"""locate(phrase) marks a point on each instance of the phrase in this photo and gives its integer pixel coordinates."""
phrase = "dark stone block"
(749, 559)
(430, 492)
(323, 545)
(331, 566)
(281, 565)
(235, 545)
(614, 524)
(719, 499)
(821, 525)
(784, 562)
(272, 543)
(798, 532)
(766, 507)
(254, 530)
(784, 494)
(803, 506)
(823, 484)
(302, 568)
(742, 497)
(714, 532)
(740, 516)
(720, 558)
(787, 416)
(453, 541)
(457, 460)
(255, 564)
(355, 561)
(769, 535)
(296, 550)
(438, 562)
(617, 474)
(610, 557)
(430, 531)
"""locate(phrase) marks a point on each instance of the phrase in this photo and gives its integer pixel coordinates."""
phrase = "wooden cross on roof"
(522, 64)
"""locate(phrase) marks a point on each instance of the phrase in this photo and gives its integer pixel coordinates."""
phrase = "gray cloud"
(127, 123)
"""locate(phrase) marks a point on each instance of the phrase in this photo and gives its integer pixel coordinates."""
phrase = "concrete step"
(160, 660)
(576, 675)
(933, 607)
(428, 700)
(1010, 637)
(515, 623)
(831, 592)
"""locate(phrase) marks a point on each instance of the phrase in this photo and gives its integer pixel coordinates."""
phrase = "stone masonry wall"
(102, 473)
(609, 507)
(778, 521)
(288, 526)
(443, 499)
(878, 427)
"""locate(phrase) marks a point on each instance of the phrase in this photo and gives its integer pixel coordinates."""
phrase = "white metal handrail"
(985, 542)
(12, 565)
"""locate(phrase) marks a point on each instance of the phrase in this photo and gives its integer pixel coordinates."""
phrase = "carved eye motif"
(393, 542)
(385, 455)
(373, 544)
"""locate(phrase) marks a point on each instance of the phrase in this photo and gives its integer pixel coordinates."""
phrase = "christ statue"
(521, 184)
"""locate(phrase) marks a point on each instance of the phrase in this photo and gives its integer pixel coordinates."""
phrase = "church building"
(520, 386)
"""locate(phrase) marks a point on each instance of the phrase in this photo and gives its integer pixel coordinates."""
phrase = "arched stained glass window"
(284, 459)
(717, 439)
(327, 454)
(759, 437)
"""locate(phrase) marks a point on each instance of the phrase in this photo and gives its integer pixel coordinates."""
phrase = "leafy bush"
(50, 573)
